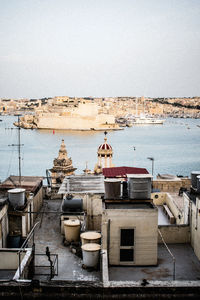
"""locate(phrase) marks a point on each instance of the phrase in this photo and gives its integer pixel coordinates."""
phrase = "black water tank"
(71, 204)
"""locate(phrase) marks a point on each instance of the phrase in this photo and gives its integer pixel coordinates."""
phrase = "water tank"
(16, 197)
(91, 253)
(90, 237)
(139, 186)
(112, 188)
(14, 240)
(71, 204)
(194, 175)
(198, 183)
(72, 230)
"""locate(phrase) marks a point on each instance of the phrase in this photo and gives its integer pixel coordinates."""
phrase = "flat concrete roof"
(82, 184)
(48, 234)
(187, 266)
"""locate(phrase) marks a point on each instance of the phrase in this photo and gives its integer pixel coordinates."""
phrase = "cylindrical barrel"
(14, 240)
(112, 188)
(90, 237)
(72, 204)
(72, 230)
(90, 254)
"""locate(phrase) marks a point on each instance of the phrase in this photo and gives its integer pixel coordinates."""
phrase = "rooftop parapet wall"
(174, 234)
(173, 185)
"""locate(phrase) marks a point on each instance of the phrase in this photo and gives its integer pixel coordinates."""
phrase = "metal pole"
(152, 166)
(134, 150)
(19, 152)
(19, 257)
(174, 268)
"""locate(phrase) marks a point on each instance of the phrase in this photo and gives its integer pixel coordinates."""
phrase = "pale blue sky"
(99, 48)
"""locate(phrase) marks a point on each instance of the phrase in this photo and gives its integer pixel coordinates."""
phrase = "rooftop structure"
(122, 171)
(82, 184)
(30, 183)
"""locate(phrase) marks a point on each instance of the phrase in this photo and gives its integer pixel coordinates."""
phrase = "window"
(127, 245)
(126, 254)
(127, 237)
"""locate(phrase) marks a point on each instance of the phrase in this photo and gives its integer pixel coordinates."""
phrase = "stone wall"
(174, 185)
(174, 234)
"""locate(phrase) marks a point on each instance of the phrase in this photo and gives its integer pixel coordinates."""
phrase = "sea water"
(175, 147)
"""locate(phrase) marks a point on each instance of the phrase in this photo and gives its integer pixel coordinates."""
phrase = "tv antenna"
(19, 148)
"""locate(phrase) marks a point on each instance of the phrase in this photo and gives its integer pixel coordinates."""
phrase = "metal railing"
(53, 265)
(30, 235)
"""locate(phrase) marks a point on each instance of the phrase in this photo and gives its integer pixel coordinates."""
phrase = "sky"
(99, 48)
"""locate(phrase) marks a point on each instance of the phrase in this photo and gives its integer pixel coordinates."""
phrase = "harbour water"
(175, 146)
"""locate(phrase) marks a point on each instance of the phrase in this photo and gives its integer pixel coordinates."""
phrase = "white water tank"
(112, 188)
(139, 186)
(90, 254)
(16, 197)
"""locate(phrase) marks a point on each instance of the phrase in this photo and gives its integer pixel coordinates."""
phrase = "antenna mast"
(19, 149)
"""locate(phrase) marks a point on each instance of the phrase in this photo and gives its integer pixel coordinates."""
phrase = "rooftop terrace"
(48, 233)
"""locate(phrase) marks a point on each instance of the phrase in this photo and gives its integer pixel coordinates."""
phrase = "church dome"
(105, 148)
(105, 153)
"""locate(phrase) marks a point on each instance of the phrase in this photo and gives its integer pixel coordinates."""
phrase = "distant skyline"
(99, 48)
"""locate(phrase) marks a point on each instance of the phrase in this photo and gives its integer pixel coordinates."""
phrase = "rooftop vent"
(139, 186)
(112, 188)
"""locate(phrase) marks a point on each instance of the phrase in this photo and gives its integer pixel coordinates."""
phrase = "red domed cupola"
(105, 149)
(105, 154)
